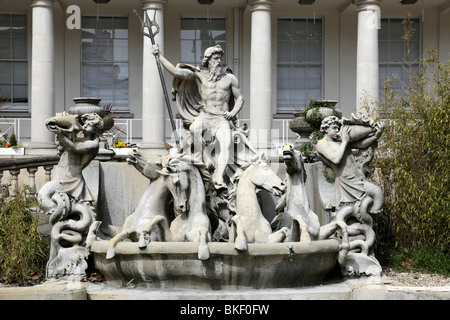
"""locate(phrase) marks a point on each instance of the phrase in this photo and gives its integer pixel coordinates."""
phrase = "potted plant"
(299, 125)
(122, 148)
(10, 147)
(317, 110)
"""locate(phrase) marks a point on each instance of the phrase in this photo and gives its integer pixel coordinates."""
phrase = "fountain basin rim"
(221, 248)
(169, 265)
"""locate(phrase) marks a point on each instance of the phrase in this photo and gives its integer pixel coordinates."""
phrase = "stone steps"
(372, 288)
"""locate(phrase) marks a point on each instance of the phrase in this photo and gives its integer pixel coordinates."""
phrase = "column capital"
(154, 4)
(42, 3)
(258, 5)
(366, 2)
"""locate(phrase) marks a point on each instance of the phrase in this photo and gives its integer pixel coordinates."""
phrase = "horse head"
(176, 173)
(293, 160)
(145, 163)
(263, 176)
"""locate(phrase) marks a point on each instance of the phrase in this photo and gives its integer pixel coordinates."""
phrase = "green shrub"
(422, 259)
(13, 140)
(308, 152)
(413, 160)
(23, 251)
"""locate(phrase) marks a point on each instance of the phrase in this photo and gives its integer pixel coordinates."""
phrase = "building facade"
(284, 53)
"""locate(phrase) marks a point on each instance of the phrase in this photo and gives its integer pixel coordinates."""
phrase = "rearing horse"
(185, 181)
(249, 222)
(153, 206)
(306, 226)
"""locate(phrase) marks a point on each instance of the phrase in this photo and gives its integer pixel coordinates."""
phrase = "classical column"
(236, 42)
(367, 69)
(42, 77)
(153, 103)
(261, 73)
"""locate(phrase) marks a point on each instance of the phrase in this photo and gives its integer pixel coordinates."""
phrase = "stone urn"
(91, 105)
(300, 127)
(305, 123)
(87, 105)
(319, 110)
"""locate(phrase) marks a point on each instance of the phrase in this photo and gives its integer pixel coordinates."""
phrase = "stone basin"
(175, 265)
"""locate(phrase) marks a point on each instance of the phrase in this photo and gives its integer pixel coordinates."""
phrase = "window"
(104, 70)
(299, 63)
(198, 34)
(393, 49)
(14, 62)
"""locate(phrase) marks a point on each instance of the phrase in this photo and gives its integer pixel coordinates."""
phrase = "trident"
(149, 24)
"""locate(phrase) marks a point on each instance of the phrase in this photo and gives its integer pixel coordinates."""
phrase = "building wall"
(339, 49)
(347, 60)
(444, 35)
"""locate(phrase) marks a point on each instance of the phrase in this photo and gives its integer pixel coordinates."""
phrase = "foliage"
(4, 144)
(412, 166)
(315, 117)
(314, 120)
(120, 144)
(413, 159)
(13, 140)
(329, 175)
(308, 152)
(109, 108)
(23, 251)
(422, 259)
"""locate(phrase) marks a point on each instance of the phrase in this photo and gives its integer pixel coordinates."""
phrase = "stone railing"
(15, 165)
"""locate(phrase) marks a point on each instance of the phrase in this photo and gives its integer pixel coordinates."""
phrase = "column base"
(41, 148)
(154, 148)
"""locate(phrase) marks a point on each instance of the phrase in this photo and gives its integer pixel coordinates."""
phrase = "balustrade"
(31, 164)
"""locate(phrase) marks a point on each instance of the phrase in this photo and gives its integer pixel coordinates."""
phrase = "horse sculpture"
(195, 218)
(153, 206)
(249, 223)
(306, 225)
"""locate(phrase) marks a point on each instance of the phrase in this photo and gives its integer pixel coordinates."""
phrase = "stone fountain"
(197, 217)
(182, 231)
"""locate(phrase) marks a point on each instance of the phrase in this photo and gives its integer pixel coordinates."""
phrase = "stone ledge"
(49, 290)
(335, 291)
(376, 288)
(371, 288)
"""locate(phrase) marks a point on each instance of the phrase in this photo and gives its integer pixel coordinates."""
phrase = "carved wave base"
(175, 265)
(358, 264)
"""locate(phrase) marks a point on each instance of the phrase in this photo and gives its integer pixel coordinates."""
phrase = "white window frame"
(387, 65)
(199, 44)
(118, 107)
(296, 105)
(14, 106)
